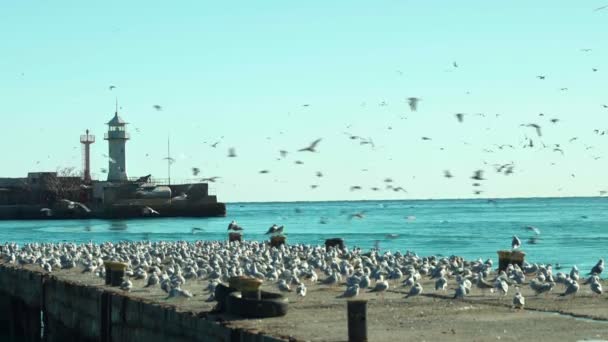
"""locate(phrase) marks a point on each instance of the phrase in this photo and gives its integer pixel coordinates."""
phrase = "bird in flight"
(426, 138)
(283, 153)
(460, 117)
(231, 152)
(195, 171)
(535, 126)
(541, 77)
(413, 102)
(319, 174)
(158, 107)
(585, 50)
(264, 171)
(447, 174)
(600, 8)
(455, 64)
(210, 179)
(478, 175)
(312, 146)
(112, 87)
(355, 187)
(554, 120)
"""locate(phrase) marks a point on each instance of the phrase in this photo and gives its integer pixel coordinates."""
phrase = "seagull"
(478, 175)
(274, 229)
(264, 171)
(73, 205)
(283, 286)
(112, 87)
(47, 211)
(381, 286)
(126, 285)
(534, 229)
(518, 300)
(301, 290)
(460, 117)
(598, 268)
(535, 126)
(447, 174)
(195, 171)
(283, 153)
(357, 215)
(147, 211)
(415, 290)
(311, 147)
(210, 179)
(351, 291)
(355, 187)
(413, 103)
(600, 8)
(158, 108)
(541, 77)
(441, 284)
(572, 289)
(516, 242)
(231, 152)
(234, 226)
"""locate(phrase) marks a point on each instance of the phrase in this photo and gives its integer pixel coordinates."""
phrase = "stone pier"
(39, 307)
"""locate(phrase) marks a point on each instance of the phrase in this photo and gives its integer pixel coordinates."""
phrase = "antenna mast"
(169, 158)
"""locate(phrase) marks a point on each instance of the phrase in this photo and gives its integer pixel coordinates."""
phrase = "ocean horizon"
(572, 229)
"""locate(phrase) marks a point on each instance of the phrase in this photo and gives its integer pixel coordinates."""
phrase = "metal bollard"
(357, 320)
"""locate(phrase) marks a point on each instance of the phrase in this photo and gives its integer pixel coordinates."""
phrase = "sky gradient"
(244, 72)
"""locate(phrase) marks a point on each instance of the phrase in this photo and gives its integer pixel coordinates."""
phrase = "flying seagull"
(158, 108)
(460, 117)
(112, 87)
(231, 152)
(478, 175)
(312, 146)
(535, 126)
(210, 179)
(600, 8)
(413, 102)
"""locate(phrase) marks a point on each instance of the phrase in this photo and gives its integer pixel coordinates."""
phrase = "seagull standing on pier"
(516, 242)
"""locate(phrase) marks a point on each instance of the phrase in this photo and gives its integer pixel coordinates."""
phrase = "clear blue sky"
(244, 69)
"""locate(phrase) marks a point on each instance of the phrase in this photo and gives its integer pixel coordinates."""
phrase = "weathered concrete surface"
(20, 304)
(90, 311)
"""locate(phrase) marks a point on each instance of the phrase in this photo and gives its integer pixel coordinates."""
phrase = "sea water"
(572, 230)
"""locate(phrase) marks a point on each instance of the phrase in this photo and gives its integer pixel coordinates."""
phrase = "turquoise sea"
(573, 230)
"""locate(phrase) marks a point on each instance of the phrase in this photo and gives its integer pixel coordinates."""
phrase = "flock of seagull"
(172, 265)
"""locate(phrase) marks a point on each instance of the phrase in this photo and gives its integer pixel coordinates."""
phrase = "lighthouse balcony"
(117, 135)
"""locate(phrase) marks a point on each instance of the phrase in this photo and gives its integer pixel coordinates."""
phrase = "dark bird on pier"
(210, 179)
(274, 229)
(541, 77)
(112, 87)
(460, 117)
(447, 174)
(158, 108)
(535, 126)
(413, 103)
(234, 226)
(231, 152)
(311, 147)
(478, 175)
(516, 242)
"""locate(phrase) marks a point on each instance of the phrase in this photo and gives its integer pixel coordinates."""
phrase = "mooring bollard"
(235, 237)
(357, 320)
(115, 272)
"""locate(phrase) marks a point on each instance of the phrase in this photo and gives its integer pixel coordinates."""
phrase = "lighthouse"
(117, 137)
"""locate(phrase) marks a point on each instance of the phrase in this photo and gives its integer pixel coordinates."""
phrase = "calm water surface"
(573, 230)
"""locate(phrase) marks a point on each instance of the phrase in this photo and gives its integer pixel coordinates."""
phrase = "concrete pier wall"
(40, 307)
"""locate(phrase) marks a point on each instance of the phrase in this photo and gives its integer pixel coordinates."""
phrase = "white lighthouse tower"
(117, 137)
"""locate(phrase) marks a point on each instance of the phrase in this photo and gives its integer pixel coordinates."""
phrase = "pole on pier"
(357, 320)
